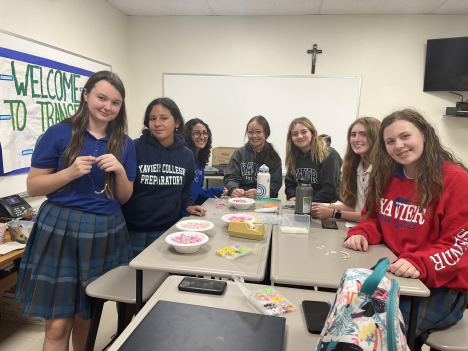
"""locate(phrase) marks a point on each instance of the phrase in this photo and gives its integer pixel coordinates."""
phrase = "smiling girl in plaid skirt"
(85, 166)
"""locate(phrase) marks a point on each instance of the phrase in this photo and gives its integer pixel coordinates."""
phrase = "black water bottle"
(304, 193)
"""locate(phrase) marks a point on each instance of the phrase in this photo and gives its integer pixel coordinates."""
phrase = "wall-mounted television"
(446, 64)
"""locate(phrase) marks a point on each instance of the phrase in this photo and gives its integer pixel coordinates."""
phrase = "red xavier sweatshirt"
(436, 244)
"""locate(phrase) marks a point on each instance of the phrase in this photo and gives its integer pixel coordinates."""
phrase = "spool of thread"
(263, 182)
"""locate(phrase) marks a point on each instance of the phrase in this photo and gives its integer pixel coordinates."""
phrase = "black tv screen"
(446, 64)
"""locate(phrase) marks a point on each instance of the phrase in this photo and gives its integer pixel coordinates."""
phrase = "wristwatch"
(338, 214)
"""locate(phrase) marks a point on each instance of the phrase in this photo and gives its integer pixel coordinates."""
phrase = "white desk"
(297, 337)
(161, 256)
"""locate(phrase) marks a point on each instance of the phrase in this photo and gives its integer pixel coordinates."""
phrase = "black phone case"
(335, 226)
(315, 313)
(203, 286)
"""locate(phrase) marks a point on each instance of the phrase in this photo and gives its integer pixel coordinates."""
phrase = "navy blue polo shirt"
(80, 195)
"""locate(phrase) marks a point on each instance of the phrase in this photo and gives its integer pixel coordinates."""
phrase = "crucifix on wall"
(314, 53)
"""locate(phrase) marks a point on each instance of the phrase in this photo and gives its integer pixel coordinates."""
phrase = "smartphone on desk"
(315, 313)
(203, 286)
(328, 224)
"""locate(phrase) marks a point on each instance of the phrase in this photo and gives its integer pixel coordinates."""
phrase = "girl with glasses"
(197, 136)
(86, 166)
(241, 173)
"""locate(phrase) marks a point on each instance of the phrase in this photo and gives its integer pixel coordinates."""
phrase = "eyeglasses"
(204, 134)
(253, 132)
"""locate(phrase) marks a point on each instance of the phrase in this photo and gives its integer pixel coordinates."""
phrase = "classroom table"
(161, 256)
(296, 335)
(301, 259)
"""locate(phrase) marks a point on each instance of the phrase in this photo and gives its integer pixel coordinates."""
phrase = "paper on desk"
(11, 246)
(350, 224)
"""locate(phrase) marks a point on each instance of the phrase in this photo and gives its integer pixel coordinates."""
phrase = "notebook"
(183, 327)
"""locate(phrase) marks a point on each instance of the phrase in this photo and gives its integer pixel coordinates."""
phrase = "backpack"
(365, 315)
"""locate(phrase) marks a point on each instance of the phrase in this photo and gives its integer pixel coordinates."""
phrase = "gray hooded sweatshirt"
(241, 172)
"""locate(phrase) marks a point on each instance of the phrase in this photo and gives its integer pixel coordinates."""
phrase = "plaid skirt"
(141, 240)
(443, 308)
(67, 250)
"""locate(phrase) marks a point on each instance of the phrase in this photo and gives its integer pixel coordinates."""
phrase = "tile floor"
(16, 336)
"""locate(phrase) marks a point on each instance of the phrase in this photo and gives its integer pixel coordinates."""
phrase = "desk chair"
(119, 285)
(454, 338)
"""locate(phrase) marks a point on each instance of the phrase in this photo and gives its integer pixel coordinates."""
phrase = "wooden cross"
(314, 53)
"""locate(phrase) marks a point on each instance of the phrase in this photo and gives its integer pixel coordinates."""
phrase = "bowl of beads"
(20, 230)
(187, 242)
(241, 217)
(241, 203)
(194, 225)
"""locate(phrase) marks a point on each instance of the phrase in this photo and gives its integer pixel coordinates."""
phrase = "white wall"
(91, 28)
(387, 51)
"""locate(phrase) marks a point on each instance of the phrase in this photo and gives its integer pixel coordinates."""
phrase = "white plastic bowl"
(187, 248)
(206, 225)
(241, 203)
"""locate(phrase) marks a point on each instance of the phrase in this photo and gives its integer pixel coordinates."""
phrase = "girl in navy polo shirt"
(85, 166)
(164, 176)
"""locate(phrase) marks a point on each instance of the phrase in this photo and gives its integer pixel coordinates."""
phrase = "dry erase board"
(40, 85)
(227, 102)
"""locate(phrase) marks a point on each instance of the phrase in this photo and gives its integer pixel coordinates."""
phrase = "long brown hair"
(318, 145)
(428, 180)
(348, 186)
(268, 155)
(116, 129)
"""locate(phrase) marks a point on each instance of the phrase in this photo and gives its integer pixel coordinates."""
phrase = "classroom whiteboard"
(227, 102)
(40, 85)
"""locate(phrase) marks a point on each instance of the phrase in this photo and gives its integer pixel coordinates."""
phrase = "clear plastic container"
(236, 251)
(267, 301)
(294, 224)
(267, 205)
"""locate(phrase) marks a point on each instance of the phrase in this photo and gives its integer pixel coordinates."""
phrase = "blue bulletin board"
(40, 85)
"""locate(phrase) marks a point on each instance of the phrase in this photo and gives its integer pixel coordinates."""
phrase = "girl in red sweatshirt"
(417, 203)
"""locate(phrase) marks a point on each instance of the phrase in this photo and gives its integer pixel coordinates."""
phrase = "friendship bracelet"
(333, 215)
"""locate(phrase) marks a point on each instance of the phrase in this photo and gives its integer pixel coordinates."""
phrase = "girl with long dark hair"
(164, 176)
(241, 174)
(198, 138)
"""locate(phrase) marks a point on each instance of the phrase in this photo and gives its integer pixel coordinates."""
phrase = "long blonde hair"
(348, 186)
(428, 180)
(318, 145)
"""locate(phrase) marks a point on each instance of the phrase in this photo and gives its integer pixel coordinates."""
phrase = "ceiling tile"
(453, 7)
(387, 7)
(264, 7)
(163, 7)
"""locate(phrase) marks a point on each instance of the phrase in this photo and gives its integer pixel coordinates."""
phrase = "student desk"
(161, 256)
(296, 335)
(297, 260)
